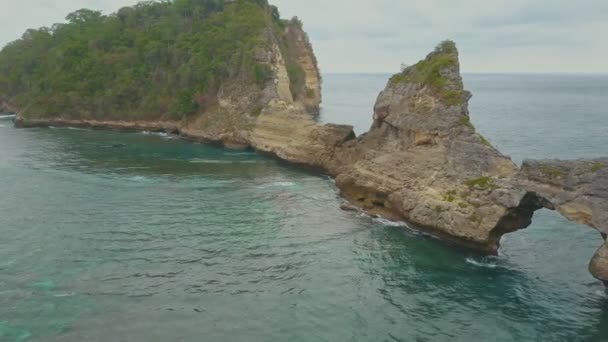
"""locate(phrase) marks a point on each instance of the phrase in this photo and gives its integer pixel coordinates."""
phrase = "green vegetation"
(262, 73)
(483, 183)
(484, 140)
(450, 196)
(552, 171)
(466, 121)
(297, 77)
(428, 73)
(597, 166)
(163, 59)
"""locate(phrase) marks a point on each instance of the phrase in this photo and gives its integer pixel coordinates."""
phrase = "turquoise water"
(137, 237)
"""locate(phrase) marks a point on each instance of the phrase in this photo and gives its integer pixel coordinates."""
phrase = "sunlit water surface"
(133, 237)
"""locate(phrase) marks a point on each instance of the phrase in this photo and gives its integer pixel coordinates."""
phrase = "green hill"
(164, 60)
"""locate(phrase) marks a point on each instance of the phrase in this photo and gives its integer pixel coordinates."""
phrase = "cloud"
(378, 35)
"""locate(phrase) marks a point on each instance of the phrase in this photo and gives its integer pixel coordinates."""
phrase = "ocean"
(110, 236)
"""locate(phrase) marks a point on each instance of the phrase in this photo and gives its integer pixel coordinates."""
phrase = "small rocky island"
(422, 160)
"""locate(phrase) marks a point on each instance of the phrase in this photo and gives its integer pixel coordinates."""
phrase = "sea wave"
(474, 262)
(283, 184)
(390, 223)
(160, 134)
(8, 116)
(63, 295)
(139, 178)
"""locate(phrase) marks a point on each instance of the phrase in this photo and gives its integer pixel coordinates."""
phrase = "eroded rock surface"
(578, 189)
(422, 160)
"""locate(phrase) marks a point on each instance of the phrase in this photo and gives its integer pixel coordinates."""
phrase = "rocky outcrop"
(422, 160)
(295, 137)
(578, 189)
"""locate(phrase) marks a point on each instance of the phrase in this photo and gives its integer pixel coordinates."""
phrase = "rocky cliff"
(422, 160)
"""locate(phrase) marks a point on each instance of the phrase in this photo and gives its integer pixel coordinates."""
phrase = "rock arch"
(577, 189)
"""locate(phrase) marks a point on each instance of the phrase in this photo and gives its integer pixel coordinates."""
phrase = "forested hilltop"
(157, 60)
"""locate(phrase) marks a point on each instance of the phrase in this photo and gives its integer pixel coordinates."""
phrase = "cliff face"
(302, 53)
(278, 115)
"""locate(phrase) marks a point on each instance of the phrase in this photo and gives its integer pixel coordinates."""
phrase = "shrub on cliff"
(151, 60)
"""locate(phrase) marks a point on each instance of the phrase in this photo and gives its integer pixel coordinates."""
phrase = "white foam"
(390, 223)
(139, 178)
(160, 134)
(9, 116)
(2, 126)
(474, 262)
(209, 161)
(61, 295)
(283, 184)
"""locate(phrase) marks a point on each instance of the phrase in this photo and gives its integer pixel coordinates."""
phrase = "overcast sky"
(378, 35)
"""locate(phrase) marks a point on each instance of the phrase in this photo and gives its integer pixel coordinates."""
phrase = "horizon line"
(595, 73)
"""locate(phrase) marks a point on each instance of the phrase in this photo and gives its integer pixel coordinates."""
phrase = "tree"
(83, 16)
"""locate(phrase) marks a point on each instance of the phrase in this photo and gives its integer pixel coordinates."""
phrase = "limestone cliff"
(422, 160)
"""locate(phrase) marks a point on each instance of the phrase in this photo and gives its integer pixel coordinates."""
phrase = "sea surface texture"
(140, 237)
